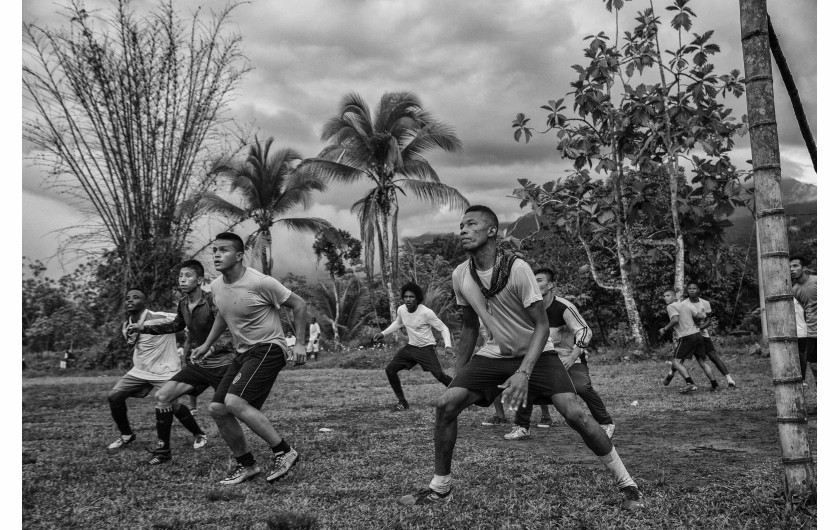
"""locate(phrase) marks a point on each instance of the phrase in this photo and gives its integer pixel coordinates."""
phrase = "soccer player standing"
(418, 321)
(518, 359)
(693, 291)
(197, 313)
(804, 289)
(155, 361)
(249, 305)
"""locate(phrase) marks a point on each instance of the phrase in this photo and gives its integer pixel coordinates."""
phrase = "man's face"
(544, 283)
(476, 230)
(796, 269)
(225, 255)
(669, 297)
(692, 290)
(312, 321)
(188, 280)
(410, 300)
(135, 301)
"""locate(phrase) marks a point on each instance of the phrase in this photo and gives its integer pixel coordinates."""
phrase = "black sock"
(689, 380)
(187, 419)
(163, 421)
(714, 383)
(282, 448)
(119, 411)
(246, 460)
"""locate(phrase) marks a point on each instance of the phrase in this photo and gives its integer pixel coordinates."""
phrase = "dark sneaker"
(240, 474)
(400, 406)
(494, 420)
(283, 462)
(633, 499)
(668, 378)
(426, 496)
(160, 456)
(713, 388)
(688, 388)
(545, 422)
(122, 441)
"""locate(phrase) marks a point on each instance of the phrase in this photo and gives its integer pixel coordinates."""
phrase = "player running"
(418, 321)
(693, 291)
(689, 341)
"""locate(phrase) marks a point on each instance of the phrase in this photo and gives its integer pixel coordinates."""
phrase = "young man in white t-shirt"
(518, 359)
(249, 306)
(693, 292)
(418, 321)
(155, 361)
(314, 338)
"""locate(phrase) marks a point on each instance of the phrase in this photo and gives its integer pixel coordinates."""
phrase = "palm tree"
(269, 187)
(386, 149)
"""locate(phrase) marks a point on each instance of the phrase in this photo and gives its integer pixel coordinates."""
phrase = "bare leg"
(229, 428)
(592, 434)
(253, 418)
(677, 366)
(707, 369)
(497, 404)
(449, 406)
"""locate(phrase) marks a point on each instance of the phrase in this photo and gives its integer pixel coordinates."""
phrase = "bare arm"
(219, 327)
(469, 336)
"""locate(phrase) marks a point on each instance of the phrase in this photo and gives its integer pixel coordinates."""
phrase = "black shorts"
(200, 378)
(808, 348)
(409, 355)
(691, 345)
(484, 375)
(252, 373)
(708, 345)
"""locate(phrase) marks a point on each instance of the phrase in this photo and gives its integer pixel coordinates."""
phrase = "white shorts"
(312, 345)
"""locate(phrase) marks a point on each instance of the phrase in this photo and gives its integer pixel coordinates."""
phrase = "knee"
(446, 407)
(217, 410)
(575, 416)
(391, 370)
(116, 398)
(164, 398)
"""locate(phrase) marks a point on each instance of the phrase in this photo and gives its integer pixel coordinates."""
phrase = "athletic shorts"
(708, 345)
(691, 345)
(252, 373)
(200, 378)
(484, 375)
(135, 387)
(409, 355)
(808, 347)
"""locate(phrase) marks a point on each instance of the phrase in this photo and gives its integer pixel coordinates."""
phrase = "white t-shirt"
(508, 325)
(314, 331)
(686, 311)
(704, 306)
(251, 308)
(419, 326)
(155, 356)
(799, 314)
(291, 341)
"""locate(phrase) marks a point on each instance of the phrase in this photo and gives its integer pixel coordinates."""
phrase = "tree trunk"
(265, 253)
(628, 292)
(395, 246)
(679, 247)
(336, 336)
(385, 260)
(784, 360)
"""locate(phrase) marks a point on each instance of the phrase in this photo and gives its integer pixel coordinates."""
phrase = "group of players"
(533, 351)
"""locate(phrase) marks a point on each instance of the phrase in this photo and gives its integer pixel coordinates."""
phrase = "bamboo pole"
(763, 344)
(770, 216)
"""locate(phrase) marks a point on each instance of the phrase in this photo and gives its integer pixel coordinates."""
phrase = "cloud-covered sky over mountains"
(473, 64)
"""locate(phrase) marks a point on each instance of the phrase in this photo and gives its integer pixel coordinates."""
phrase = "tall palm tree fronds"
(387, 149)
(269, 186)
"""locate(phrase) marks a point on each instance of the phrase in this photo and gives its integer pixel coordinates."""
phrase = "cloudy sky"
(473, 64)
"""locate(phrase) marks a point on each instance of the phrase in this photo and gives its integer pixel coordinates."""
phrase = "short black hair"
(548, 272)
(193, 264)
(689, 284)
(414, 288)
(235, 239)
(486, 211)
(136, 288)
(669, 290)
(802, 259)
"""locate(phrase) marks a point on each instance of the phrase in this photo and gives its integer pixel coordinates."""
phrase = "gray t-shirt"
(686, 311)
(807, 296)
(704, 306)
(251, 308)
(508, 324)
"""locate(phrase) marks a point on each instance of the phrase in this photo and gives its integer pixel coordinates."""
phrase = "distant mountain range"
(799, 199)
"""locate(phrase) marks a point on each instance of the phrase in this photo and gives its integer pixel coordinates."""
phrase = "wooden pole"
(763, 344)
(770, 216)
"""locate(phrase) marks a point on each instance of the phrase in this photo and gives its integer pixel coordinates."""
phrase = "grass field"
(707, 460)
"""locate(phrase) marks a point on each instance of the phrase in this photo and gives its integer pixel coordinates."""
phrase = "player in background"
(693, 291)
(689, 341)
(313, 346)
(804, 289)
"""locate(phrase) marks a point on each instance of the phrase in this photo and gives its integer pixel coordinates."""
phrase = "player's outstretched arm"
(395, 325)
(438, 324)
(298, 307)
(469, 336)
(516, 387)
(173, 326)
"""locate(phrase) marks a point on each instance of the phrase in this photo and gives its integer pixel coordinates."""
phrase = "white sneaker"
(200, 441)
(122, 441)
(609, 429)
(518, 433)
(240, 474)
(282, 464)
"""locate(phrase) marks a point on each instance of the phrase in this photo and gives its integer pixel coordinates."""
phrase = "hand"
(299, 353)
(199, 352)
(661, 331)
(567, 358)
(516, 391)
(378, 337)
(135, 328)
(448, 351)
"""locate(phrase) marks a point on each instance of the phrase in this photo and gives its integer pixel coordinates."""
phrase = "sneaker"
(518, 433)
(193, 412)
(713, 389)
(688, 388)
(731, 384)
(668, 378)
(402, 405)
(545, 422)
(494, 420)
(633, 499)
(200, 441)
(426, 496)
(283, 462)
(122, 441)
(609, 428)
(160, 456)
(240, 474)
